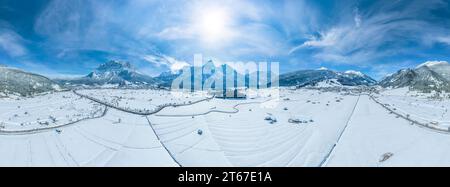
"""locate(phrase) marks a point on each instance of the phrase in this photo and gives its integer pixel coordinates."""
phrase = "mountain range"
(303, 78)
(111, 74)
(165, 79)
(425, 77)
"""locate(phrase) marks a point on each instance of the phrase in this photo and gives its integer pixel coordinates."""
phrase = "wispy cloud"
(254, 30)
(12, 43)
(175, 33)
(443, 39)
(386, 28)
(173, 64)
(361, 35)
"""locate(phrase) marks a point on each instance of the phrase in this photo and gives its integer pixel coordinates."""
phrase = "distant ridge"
(425, 77)
(304, 78)
(112, 74)
(17, 82)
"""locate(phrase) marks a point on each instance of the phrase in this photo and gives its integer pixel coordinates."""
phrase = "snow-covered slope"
(440, 67)
(313, 77)
(328, 83)
(423, 78)
(115, 74)
(18, 82)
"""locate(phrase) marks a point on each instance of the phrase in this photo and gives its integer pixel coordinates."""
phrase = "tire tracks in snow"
(146, 114)
(330, 153)
(164, 146)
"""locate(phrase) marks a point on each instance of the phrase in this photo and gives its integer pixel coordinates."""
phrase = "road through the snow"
(330, 153)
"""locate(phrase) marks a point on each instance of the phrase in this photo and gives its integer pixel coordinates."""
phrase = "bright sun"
(214, 25)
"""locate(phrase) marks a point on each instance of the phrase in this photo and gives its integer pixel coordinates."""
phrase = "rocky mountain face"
(440, 67)
(299, 78)
(314, 77)
(425, 77)
(200, 73)
(165, 79)
(17, 82)
(112, 74)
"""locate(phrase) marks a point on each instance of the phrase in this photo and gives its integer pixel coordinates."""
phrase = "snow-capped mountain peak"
(428, 76)
(423, 78)
(113, 73)
(112, 68)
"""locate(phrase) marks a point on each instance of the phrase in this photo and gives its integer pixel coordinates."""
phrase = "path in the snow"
(373, 132)
(146, 114)
(235, 110)
(159, 139)
(158, 109)
(249, 140)
(184, 145)
(327, 157)
(415, 122)
(99, 142)
(44, 129)
(343, 133)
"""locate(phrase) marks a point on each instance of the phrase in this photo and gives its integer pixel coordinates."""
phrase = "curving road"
(235, 110)
(420, 124)
(158, 109)
(38, 130)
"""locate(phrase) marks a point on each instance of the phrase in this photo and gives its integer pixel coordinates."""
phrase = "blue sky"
(71, 37)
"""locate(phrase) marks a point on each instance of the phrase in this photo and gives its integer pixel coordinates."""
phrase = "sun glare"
(214, 25)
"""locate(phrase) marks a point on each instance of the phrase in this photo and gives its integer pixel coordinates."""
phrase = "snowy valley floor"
(304, 128)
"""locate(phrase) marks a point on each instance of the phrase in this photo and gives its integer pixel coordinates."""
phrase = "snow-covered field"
(421, 107)
(303, 127)
(143, 100)
(97, 142)
(46, 111)
(373, 132)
